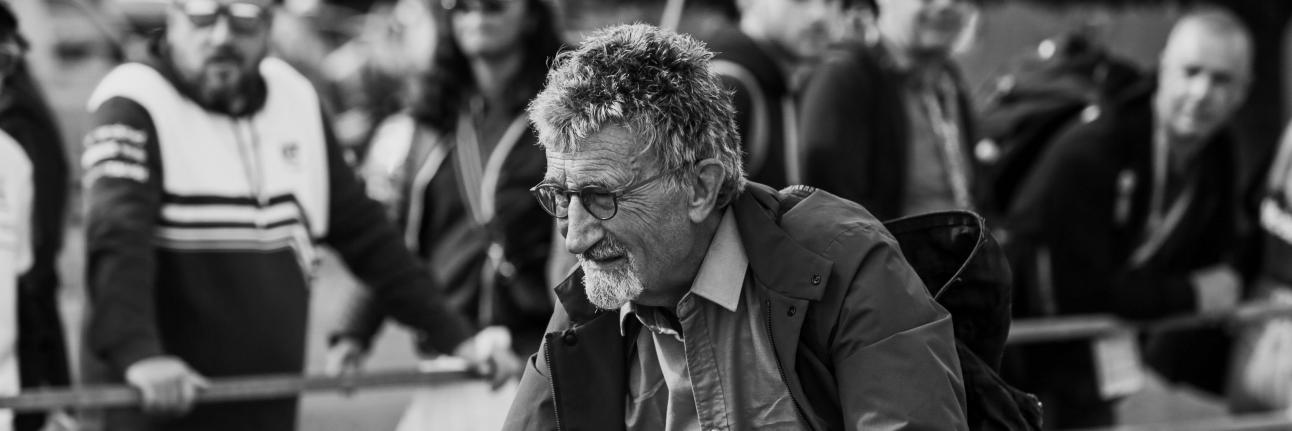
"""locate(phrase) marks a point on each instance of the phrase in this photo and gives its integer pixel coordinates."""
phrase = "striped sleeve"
(123, 193)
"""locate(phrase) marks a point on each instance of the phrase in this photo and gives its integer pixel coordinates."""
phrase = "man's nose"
(582, 230)
(220, 31)
(1200, 86)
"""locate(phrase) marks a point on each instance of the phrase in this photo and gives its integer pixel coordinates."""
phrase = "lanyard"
(479, 179)
(1162, 221)
(946, 127)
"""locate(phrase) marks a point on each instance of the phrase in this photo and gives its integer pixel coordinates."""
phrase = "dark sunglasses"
(598, 201)
(486, 6)
(11, 54)
(245, 18)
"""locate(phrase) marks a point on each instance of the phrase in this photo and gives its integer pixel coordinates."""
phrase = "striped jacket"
(201, 233)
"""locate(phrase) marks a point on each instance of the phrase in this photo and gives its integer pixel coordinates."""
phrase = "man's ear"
(705, 184)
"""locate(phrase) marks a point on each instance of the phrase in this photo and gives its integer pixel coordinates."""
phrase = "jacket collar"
(776, 260)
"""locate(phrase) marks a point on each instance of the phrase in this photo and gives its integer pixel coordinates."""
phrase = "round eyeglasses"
(598, 201)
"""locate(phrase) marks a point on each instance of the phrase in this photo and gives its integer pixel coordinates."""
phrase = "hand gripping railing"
(231, 389)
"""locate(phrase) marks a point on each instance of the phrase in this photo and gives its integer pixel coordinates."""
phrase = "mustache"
(605, 249)
(225, 53)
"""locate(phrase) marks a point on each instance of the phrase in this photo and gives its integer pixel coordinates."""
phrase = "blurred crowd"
(1113, 189)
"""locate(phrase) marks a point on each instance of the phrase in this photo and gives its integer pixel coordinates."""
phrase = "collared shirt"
(710, 365)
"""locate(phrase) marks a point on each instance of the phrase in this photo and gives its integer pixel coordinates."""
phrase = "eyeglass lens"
(486, 6)
(600, 203)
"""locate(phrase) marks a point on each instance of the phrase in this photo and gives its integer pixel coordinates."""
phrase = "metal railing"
(1095, 327)
(1069, 328)
(231, 389)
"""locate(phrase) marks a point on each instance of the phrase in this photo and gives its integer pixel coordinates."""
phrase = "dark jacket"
(855, 129)
(42, 351)
(1086, 204)
(422, 188)
(227, 296)
(829, 276)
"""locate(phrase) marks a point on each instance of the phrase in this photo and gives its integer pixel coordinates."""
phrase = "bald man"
(1132, 213)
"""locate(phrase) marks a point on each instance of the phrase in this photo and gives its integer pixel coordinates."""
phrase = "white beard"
(610, 290)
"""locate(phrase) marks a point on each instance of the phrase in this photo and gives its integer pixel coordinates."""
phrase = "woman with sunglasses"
(456, 167)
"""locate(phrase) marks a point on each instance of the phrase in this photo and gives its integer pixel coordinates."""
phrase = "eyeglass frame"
(569, 194)
(238, 24)
(482, 6)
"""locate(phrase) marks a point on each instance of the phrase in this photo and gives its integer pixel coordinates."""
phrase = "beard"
(610, 288)
(224, 82)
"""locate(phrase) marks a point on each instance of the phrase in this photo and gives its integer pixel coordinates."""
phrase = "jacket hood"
(966, 271)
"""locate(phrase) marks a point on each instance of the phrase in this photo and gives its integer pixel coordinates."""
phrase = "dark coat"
(440, 229)
(828, 274)
(42, 351)
(1086, 203)
(855, 130)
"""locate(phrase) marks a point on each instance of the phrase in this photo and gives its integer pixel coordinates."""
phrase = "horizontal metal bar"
(231, 389)
(1068, 328)
(1281, 421)
(1064, 328)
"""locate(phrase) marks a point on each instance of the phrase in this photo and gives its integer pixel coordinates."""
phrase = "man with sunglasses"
(701, 300)
(211, 174)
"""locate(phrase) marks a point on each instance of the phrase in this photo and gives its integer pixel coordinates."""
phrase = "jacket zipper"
(556, 408)
(781, 368)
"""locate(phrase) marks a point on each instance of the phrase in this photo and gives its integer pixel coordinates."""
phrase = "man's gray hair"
(657, 85)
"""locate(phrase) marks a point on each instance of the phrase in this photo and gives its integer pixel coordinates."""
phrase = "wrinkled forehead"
(1200, 45)
(612, 156)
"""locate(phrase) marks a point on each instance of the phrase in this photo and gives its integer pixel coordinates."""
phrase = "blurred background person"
(368, 76)
(33, 198)
(762, 59)
(1133, 213)
(455, 170)
(887, 120)
(211, 176)
(1261, 379)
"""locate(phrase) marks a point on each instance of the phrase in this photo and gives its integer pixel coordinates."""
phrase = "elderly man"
(1133, 214)
(887, 121)
(702, 300)
(210, 175)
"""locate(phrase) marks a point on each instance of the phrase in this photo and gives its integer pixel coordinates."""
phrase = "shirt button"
(816, 279)
(569, 338)
(790, 311)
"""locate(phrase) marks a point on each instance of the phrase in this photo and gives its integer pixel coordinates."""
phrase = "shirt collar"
(722, 274)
